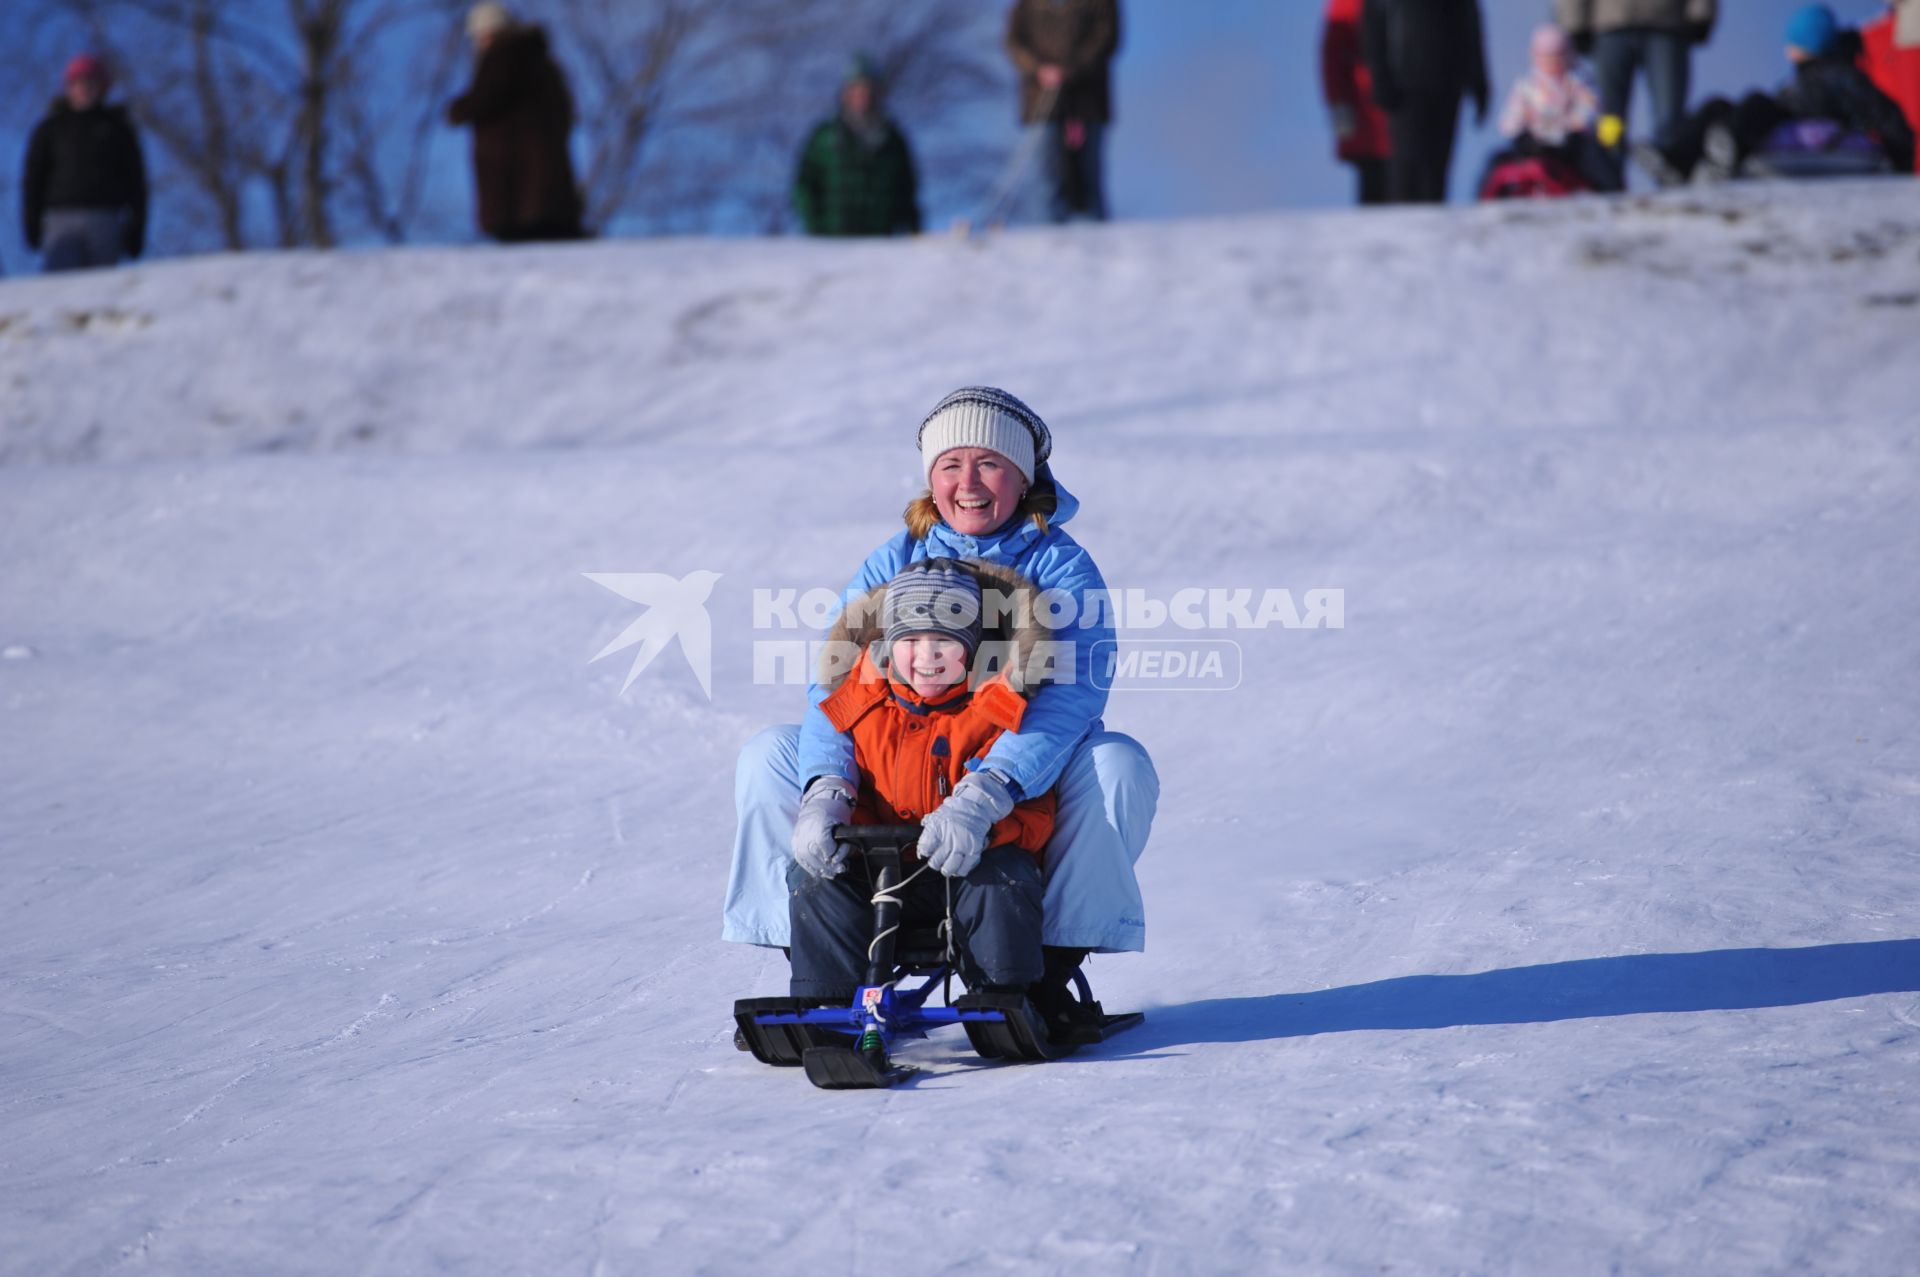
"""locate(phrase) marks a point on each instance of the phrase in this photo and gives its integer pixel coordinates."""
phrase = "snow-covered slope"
(1557, 914)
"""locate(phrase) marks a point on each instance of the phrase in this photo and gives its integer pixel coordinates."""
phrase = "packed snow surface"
(1559, 913)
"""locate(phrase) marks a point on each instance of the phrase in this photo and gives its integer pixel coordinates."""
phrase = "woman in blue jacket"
(990, 496)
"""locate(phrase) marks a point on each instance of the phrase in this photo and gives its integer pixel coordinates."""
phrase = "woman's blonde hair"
(1038, 503)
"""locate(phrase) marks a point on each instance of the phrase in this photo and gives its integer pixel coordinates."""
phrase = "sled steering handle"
(877, 837)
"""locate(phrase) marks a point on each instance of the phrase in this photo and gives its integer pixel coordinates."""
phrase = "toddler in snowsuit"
(1553, 101)
(923, 702)
(1551, 112)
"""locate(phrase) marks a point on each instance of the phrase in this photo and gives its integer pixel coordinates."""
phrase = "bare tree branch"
(313, 122)
(693, 111)
(269, 111)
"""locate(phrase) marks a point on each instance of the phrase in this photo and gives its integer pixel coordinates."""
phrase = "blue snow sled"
(1816, 148)
(850, 1047)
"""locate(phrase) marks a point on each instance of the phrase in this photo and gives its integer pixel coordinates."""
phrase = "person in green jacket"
(856, 174)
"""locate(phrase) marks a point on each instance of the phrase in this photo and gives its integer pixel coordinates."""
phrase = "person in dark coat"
(83, 197)
(1652, 37)
(522, 115)
(1063, 50)
(1359, 125)
(1425, 55)
(1827, 84)
(856, 174)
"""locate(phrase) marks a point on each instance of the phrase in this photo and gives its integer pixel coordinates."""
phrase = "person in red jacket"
(1891, 57)
(924, 700)
(1359, 125)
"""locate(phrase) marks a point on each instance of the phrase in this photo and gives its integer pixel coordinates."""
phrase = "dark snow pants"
(1752, 120)
(996, 919)
(1422, 131)
(1664, 56)
(1370, 182)
(1076, 178)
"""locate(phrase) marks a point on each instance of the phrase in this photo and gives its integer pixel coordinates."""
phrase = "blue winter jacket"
(1060, 714)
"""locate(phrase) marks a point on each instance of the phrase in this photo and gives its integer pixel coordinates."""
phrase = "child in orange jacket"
(924, 701)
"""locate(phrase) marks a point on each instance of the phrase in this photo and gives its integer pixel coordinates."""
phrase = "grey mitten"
(953, 837)
(828, 802)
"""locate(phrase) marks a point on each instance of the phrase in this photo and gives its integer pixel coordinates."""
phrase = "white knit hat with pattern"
(934, 596)
(985, 417)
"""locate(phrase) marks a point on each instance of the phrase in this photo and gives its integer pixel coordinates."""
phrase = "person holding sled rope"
(991, 496)
(1063, 51)
(923, 698)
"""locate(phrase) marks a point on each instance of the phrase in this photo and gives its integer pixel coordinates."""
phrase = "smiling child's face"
(929, 663)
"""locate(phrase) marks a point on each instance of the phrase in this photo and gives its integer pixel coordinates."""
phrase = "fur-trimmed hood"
(1012, 631)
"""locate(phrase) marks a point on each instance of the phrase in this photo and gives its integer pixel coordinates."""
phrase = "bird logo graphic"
(676, 609)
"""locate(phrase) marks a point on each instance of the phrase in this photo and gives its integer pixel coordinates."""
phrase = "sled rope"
(883, 898)
(1019, 161)
(886, 897)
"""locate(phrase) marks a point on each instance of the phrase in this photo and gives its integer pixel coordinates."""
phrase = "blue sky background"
(1220, 99)
(1219, 104)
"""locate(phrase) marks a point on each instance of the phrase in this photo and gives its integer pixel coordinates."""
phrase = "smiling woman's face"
(975, 489)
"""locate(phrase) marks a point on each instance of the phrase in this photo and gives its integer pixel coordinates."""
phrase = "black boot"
(1056, 997)
(1062, 963)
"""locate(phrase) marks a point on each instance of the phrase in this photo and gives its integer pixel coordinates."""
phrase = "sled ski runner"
(849, 1047)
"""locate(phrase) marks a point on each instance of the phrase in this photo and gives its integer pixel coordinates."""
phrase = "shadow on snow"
(1591, 988)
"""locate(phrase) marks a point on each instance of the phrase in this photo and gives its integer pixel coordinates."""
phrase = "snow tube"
(1816, 148)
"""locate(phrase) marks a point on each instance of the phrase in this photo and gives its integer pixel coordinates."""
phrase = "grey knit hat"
(934, 596)
(985, 417)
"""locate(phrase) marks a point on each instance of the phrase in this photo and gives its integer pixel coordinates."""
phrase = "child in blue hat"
(1829, 107)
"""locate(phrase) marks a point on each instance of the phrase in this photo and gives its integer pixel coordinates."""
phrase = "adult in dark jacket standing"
(83, 196)
(856, 174)
(522, 116)
(1655, 37)
(1063, 50)
(1425, 55)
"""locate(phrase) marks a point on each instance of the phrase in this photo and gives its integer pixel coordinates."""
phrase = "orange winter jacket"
(912, 751)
